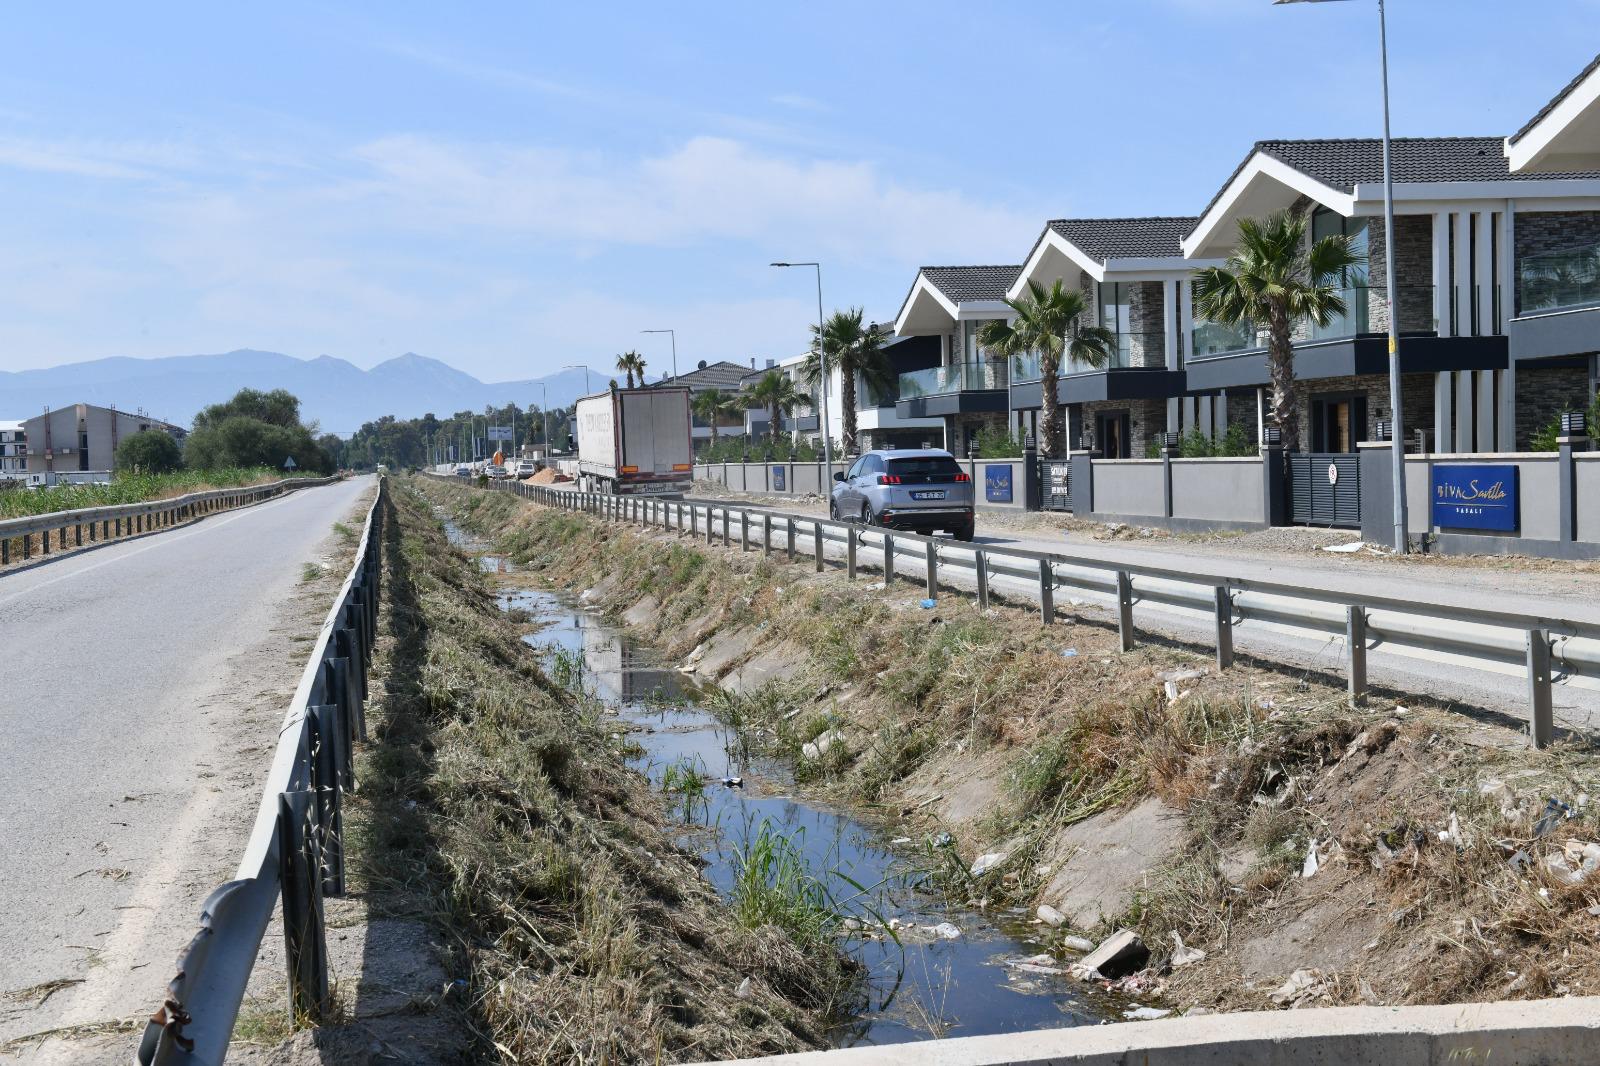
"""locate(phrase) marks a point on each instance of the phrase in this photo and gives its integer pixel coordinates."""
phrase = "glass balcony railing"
(961, 377)
(1366, 311)
(1025, 367)
(1147, 349)
(1568, 278)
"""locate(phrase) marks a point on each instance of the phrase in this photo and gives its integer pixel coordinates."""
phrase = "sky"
(515, 187)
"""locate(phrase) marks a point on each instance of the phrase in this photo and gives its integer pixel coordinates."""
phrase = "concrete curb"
(1528, 1033)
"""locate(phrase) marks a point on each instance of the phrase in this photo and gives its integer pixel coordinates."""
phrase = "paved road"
(143, 686)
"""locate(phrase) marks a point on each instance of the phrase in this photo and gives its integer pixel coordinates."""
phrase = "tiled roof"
(721, 374)
(1555, 100)
(962, 284)
(1126, 238)
(1344, 163)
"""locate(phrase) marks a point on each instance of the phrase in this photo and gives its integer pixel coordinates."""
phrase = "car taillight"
(962, 477)
(888, 479)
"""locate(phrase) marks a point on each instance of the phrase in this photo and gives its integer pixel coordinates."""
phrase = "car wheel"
(833, 510)
(962, 532)
(866, 515)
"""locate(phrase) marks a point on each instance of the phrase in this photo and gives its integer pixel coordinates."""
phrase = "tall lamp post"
(674, 348)
(822, 361)
(585, 369)
(544, 414)
(1397, 433)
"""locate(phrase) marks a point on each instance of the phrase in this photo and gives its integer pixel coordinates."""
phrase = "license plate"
(928, 495)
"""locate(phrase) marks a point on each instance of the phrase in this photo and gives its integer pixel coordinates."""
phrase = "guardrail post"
(766, 533)
(931, 555)
(303, 935)
(328, 738)
(711, 522)
(1224, 611)
(888, 560)
(1541, 715)
(1355, 639)
(44, 542)
(1047, 592)
(5, 550)
(1125, 610)
(744, 530)
(850, 551)
(816, 542)
(980, 565)
(788, 537)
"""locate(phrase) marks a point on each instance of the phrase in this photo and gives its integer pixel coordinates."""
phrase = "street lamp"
(1397, 449)
(674, 349)
(585, 369)
(822, 361)
(544, 414)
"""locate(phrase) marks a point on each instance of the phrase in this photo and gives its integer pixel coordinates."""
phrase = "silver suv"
(919, 490)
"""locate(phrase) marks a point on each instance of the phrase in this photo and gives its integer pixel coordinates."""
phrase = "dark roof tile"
(1555, 100)
(962, 284)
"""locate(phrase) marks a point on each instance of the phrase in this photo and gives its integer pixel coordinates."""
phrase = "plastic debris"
(1345, 549)
(941, 839)
(1050, 916)
(733, 782)
(1313, 863)
(1301, 986)
(877, 586)
(1184, 955)
(984, 863)
(1082, 945)
(743, 991)
(1145, 1014)
(1069, 653)
(928, 605)
(947, 930)
(1555, 812)
(900, 840)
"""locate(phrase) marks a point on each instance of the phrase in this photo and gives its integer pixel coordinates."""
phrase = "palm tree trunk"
(847, 397)
(1280, 368)
(774, 427)
(1050, 424)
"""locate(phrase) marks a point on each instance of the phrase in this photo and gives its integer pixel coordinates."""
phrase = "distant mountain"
(337, 394)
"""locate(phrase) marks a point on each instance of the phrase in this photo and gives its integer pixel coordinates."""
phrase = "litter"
(1312, 864)
(1345, 549)
(733, 782)
(1049, 915)
(1184, 955)
(743, 991)
(984, 863)
(877, 586)
(1555, 812)
(1082, 945)
(1069, 653)
(947, 930)
(928, 605)
(941, 839)
(900, 840)
(1145, 1014)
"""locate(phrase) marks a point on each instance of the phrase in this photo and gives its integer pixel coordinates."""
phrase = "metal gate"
(1325, 490)
(1055, 484)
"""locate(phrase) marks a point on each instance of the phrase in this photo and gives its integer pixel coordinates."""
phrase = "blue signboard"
(997, 483)
(779, 475)
(1475, 497)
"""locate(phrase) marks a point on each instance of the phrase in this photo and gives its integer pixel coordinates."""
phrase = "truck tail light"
(682, 466)
(888, 479)
(630, 470)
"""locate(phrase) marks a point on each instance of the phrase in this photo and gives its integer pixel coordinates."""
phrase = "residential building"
(84, 436)
(1555, 325)
(967, 389)
(802, 420)
(1135, 281)
(1464, 220)
(13, 450)
(721, 375)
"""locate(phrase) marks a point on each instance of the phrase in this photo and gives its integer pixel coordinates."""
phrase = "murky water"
(925, 985)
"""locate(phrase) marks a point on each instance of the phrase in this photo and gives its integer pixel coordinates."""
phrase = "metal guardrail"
(105, 523)
(296, 846)
(1548, 650)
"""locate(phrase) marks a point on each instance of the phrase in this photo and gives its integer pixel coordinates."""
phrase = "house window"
(1326, 223)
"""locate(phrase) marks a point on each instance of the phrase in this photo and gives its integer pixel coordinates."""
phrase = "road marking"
(159, 541)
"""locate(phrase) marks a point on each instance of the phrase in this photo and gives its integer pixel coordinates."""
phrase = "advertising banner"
(1479, 496)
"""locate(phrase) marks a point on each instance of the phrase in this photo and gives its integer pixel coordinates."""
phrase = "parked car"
(463, 470)
(495, 470)
(526, 468)
(919, 490)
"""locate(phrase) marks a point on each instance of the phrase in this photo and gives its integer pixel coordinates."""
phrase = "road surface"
(144, 685)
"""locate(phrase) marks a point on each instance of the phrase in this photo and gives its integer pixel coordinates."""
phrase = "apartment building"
(84, 436)
(721, 375)
(13, 450)
(967, 389)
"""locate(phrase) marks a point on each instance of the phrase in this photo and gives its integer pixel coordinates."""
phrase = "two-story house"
(967, 389)
(13, 450)
(1463, 220)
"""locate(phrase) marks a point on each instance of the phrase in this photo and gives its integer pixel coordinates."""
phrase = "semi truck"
(635, 442)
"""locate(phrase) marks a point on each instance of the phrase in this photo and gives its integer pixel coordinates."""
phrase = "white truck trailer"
(635, 442)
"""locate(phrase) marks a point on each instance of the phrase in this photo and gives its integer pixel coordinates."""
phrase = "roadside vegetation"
(130, 488)
(581, 931)
(1437, 871)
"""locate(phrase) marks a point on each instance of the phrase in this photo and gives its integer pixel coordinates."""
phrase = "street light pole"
(579, 366)
(674, 348)
(1397, 433)
(822, 361)
(544, 414)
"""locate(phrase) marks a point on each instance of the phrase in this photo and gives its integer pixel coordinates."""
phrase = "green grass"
(128, 488)
(685, 781)
(773, 885)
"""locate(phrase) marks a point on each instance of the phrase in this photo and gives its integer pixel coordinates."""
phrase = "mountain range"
(337, 394)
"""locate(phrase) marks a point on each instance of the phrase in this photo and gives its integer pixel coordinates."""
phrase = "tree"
(280, 407)
(714, 405)
(152, 451)
(776, 392)
(1050, 322)
(631, 363)
(853, 347)
(1273, 278)
(255, 429)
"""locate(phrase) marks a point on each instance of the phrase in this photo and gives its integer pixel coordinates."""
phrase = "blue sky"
(513, 187)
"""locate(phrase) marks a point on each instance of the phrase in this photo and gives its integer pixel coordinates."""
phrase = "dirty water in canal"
(947, 971)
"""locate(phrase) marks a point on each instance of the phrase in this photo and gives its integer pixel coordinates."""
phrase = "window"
(1114, 307)
(855, 467)
(1326, 223)
(924, 465)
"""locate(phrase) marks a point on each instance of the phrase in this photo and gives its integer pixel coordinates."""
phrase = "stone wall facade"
(1146, 420)
(1544, 392)
(1417, 396)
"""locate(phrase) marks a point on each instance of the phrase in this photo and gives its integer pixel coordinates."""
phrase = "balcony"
(1555, 281)
(1133, 351)
(960, 377)
(1364, 314)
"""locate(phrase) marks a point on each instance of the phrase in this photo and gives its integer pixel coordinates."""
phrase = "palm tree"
(853, 346)
(1273, 278)
(776, 392)
(631, 363)
(1050, 322)
(714, 405)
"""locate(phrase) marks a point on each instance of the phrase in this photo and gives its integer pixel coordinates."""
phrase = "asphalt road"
(143, 685)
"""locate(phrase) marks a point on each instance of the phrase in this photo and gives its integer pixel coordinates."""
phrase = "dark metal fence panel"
(296, 848)
(1325, 489)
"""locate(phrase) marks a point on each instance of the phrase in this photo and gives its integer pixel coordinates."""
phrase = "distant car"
(463, 470)
(527, 468)
(919, 490)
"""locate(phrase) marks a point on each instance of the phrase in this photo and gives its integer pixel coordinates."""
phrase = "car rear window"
(924, 465)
